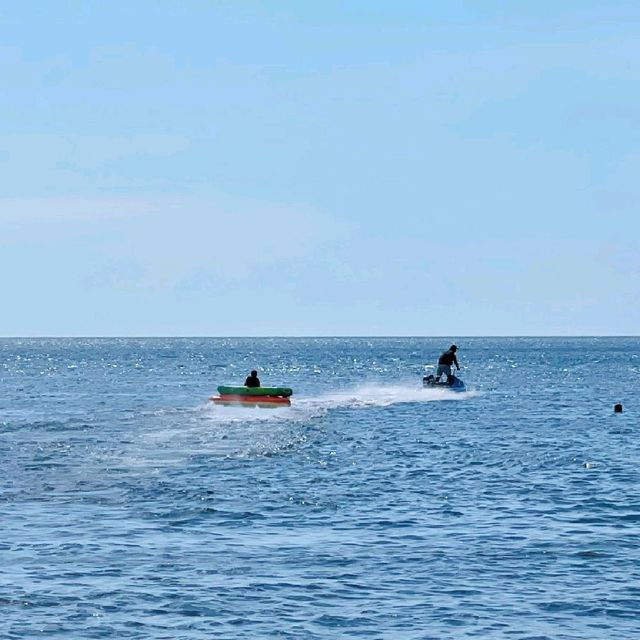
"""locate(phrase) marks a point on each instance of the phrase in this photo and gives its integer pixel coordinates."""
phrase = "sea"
(133, 507)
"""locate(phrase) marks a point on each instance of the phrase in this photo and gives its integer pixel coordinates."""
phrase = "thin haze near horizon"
(335, 168)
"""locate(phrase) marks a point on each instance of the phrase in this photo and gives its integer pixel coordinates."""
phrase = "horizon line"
(301, 337)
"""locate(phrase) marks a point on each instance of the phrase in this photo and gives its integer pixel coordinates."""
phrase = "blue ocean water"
(372, 508)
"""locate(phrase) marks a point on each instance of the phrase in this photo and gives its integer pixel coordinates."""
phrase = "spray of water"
(212, 430)
(305, 408)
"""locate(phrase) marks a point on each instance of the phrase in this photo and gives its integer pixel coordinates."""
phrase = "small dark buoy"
(617, 408)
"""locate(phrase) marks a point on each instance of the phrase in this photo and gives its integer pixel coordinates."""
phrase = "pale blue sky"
(319, 168)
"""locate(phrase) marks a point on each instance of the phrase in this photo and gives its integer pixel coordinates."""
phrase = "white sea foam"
(308, 407)
(208, 429)
(383, 396)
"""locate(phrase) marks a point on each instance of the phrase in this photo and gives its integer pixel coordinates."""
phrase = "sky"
(281, 168)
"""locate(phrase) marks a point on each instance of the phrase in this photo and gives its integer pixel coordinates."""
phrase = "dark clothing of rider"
(252, 380)
(445, 361)
(449, 358)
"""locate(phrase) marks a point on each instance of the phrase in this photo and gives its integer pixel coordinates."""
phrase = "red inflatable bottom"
(250, 401)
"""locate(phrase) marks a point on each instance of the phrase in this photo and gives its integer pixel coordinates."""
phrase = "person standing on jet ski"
(446, 359)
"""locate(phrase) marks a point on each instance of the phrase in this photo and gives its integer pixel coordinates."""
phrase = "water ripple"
(372, 508)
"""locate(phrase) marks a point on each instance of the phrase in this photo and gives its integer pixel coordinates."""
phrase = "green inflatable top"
(284, 392)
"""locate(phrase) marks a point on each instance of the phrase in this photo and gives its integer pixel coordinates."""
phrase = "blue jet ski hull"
(455, 384)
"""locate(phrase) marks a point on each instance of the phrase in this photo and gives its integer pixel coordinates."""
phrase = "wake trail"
(384, 396)
(305, 408)
(172, 436)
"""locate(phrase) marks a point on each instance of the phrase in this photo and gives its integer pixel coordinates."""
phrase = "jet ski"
(451, 384)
